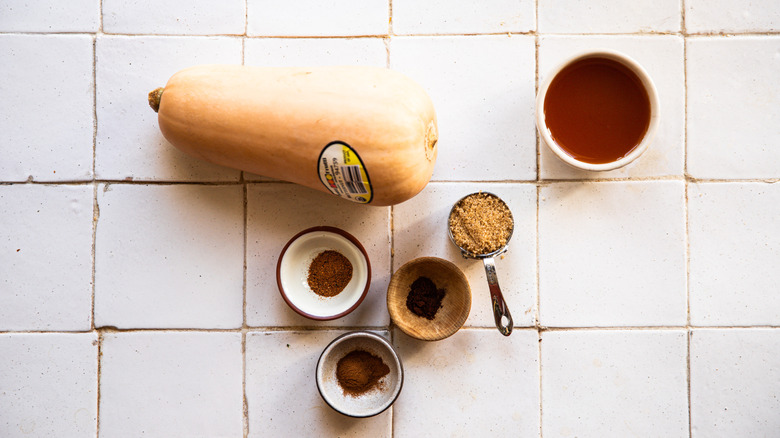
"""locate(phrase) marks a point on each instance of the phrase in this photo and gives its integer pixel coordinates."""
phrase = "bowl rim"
(401, 325)
(652, 94)
(360, 333)
(328, 229)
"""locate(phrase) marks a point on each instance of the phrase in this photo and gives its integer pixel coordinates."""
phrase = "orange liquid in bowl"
(597, 110)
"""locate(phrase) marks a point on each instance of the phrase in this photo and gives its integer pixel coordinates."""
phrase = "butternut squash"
(365, 134)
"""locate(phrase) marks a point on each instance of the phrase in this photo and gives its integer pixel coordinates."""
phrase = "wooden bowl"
(455, 307)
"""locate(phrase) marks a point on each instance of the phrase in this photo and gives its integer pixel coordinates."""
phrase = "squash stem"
(154, 98)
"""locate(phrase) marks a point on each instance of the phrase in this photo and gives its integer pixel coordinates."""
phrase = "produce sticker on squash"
(342, 172)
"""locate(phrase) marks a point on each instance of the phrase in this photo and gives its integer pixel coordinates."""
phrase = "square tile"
(309, 52)
(281, 389)
(734, 253)
(317, 18)
(49, 16)
(169, 256)
(189, 17)
(600, 383)
(47, 113)
(420, 230)
(733, 107)
(718, 16)
(662, 57)
(483, 90)
(46, 257)
(612, 254)
(162, 384)
(735, 382)
(129, 142)
(278, 211)
(474, 383)
(464, 17)
(48, 384)
(609, 16)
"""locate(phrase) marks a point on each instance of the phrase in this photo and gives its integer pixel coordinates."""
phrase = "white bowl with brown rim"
(292, 273)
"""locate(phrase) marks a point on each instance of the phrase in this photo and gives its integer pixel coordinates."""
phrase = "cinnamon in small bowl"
(323, 273)
(359, 374)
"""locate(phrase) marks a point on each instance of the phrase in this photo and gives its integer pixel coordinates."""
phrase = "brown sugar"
(329, 273)
(481, 223)
(424, 298)
(359, 372)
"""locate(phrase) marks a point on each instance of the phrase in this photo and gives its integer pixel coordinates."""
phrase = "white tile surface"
(294, 52)
(169, 256)
(483, 90)
(129, 142)
(46, 116)
(614, 383)
(735, 383)
(609, 16)
(420, 230)
(49, 16)
(317, 18)
(733, 107)
(734, 253)
(277, 212)
(46, 257)
(662, 57)
(282, 394)
(171, 384)
(714, 16)
(684, 235)
(474, 383)
(188, 17)
(463, 17)
(612, 254)
(48, 385)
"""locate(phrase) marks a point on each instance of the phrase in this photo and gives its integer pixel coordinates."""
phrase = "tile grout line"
(541, 182)
(390, 330)
(274, 329)
(538, 207)
(245, 403)
(96, 216)
(686, 218)
(245, 200)
(714, 34)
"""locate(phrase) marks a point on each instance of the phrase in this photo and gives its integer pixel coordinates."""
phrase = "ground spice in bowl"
(424, 298)
(481, 223)
(329, 273)
(359, 372)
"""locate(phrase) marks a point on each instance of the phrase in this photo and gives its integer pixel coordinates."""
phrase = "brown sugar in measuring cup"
(480, 225)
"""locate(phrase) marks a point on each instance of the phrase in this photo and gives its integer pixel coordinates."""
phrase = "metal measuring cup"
(501, 313)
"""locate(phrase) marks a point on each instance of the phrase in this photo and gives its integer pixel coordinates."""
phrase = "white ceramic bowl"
(292, 272)
(372, 402)
(652, 94)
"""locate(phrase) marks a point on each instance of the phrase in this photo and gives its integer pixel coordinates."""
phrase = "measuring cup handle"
(500, 309)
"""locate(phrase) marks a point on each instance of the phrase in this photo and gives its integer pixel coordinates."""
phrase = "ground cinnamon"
(359, 372)
(329, 273)
(424, 298)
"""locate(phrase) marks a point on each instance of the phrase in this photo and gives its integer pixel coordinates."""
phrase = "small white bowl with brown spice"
(359, 374)
(323, 273)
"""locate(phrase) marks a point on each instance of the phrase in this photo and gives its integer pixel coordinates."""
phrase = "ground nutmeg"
(424, 298)
(329, 273)
(359, 372)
